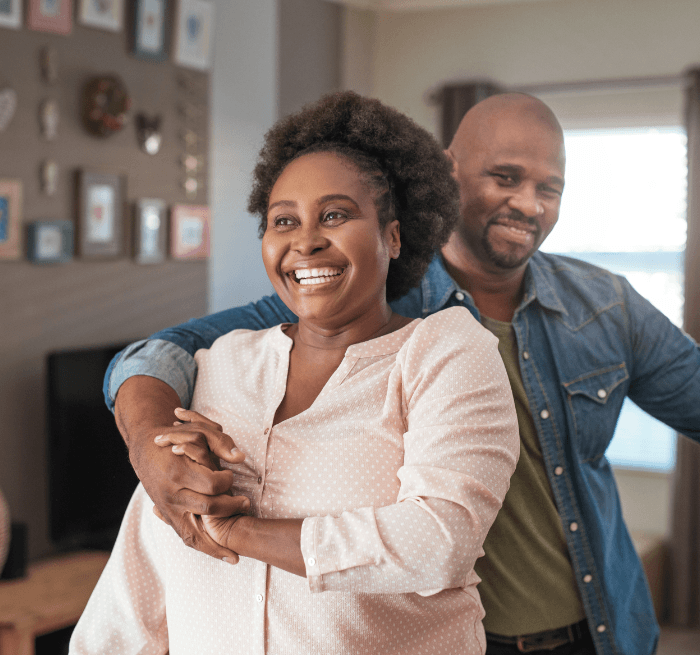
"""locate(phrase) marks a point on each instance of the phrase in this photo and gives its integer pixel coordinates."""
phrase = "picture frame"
(10, 219)
(50, 242)
(100, 221)
(50, 16)
(102, 14)
(11, 14)
(189, 232)
(193, 34)
(149, 29)
(150, 231)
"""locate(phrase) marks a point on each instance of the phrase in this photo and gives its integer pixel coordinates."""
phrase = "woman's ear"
(393, 239)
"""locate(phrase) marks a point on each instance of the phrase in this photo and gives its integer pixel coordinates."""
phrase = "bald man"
(560, 575)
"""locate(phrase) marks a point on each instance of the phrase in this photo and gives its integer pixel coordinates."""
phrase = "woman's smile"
(315, 276)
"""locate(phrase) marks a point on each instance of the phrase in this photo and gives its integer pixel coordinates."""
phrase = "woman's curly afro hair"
(400, 160)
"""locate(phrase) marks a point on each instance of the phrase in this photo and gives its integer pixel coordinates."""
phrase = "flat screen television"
(90, 476)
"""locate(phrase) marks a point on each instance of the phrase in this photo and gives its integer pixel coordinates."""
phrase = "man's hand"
(180, 488)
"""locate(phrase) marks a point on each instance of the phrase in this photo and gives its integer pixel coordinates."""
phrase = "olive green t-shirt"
(527, 582)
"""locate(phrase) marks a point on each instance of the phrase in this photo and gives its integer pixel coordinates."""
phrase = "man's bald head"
(508, 159)
(506, 108)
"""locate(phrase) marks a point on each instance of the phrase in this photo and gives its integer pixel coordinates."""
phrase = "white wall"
(528, 43)
(244, 105)
(413, 53)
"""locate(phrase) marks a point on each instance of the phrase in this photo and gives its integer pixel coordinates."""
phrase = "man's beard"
(508, 260)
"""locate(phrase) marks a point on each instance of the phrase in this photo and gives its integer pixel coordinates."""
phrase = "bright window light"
(624, 208)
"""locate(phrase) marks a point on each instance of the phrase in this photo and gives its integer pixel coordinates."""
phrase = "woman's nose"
(309, 239)
(526, 201)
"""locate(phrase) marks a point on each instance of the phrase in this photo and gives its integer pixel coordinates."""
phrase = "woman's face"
(323, 247)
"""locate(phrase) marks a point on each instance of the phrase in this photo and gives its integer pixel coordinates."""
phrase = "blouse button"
(559, 470)
(573, 527)
(602, 393)
(312, 561)
(587, 578)
(266, 430)
(259, 479)
(526, 355)
(259, 598)
(601, 628)
(544, 414)
(460, 296)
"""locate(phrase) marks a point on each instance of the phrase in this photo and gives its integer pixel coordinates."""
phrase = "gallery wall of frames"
(104, 220)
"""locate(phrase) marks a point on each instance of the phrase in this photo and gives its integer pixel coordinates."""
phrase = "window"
(624, 208)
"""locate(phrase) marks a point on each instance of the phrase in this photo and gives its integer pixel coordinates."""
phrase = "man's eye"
(505, 178)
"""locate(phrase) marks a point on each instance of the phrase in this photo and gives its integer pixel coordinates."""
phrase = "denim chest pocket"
(595, 399)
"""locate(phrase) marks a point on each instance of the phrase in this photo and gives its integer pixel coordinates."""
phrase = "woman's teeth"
(316, 275)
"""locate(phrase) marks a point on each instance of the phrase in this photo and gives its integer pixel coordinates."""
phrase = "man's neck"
(496, 293)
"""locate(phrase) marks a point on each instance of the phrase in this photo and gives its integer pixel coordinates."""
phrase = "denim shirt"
(586, 340)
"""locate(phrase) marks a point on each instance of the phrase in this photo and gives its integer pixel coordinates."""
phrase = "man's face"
(511, 177)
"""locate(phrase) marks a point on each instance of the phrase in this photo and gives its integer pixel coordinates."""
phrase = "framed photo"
(50, 242)
(11, 14)
(100, 215)
(189, 231)
(193, 32)
(149, 29)
(10, 219)
(150, 234)
(50, 16)
(103, 14)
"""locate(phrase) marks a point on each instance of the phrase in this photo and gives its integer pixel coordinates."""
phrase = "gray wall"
(270, 59)
(80, 303)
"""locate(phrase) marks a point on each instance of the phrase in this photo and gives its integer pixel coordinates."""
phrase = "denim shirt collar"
(437, 286)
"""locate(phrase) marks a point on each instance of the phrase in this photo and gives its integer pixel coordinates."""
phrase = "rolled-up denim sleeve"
(168, 355)
(156, 358)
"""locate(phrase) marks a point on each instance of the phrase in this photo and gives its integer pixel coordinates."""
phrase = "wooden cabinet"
(51, 597)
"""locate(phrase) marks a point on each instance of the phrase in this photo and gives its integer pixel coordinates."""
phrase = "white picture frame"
(11, 14)
(102, 14)
(193, 34)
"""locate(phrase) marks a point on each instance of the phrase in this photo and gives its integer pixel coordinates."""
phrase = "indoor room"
(129, 131)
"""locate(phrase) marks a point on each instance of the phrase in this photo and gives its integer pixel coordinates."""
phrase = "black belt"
(547, 640)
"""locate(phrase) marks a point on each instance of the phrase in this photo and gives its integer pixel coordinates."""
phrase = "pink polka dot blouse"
(398, 470)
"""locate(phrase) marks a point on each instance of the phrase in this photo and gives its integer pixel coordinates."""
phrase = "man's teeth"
(316, 275)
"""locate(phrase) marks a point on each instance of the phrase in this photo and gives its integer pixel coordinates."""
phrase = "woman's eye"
(282, 221)
(334, 217)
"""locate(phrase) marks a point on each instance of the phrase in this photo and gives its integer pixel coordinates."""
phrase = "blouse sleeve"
(126, 611)
(461, 446)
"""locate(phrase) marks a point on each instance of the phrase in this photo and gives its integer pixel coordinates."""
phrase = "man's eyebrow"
(513, 168)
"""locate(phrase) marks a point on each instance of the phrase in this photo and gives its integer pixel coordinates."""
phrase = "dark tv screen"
(90, 476)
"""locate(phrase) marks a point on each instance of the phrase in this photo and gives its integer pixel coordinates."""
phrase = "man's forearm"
(143, 405)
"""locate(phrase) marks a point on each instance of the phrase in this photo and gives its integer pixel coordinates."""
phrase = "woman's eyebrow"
(282, 203)
(320, 201)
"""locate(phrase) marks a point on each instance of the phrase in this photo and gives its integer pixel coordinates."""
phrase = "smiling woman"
(371, 452)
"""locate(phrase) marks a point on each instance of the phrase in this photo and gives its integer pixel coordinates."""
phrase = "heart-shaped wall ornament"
(8, 104)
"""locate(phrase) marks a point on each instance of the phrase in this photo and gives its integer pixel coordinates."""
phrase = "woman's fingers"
(195, 452)
(204, 435)
(190, 416)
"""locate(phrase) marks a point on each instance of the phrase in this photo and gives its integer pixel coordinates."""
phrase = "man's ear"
(453, 161)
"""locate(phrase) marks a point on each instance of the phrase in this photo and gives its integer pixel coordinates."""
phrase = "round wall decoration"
(105, 105)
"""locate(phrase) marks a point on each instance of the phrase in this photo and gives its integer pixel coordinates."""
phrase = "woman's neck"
(314, 335)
